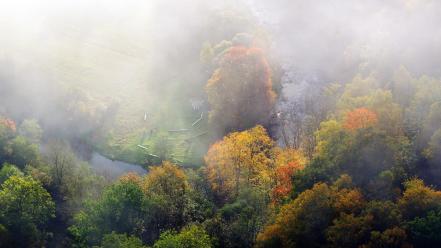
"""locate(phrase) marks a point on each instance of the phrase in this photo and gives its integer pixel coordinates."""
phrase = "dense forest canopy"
(198, 123)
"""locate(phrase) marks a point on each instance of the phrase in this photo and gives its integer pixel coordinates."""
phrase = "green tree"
(25, 209)
(30, 129)
(70, 180)
(21, 152)
(122, 208)
(115, 240)
(7, 133)
(9, 170)
(192, 236)
(237, 224)
(167, 185)
(425, 231)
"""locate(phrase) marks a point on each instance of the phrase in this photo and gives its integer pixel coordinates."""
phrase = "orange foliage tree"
(288, 162)
(240, 90)
(284, 175)
(360, 118)
(8, 123)
(131, 177)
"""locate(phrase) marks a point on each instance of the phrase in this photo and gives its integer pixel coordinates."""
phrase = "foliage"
(351, 221)
(9, 170)
(393, 237)
(168, 185)
(425, 230)
(25, 209)
(360, 118)
(302, 222)
(8, 124)
(284, 175)
(122, 208)
(21, 152)
(418, 199)
(241, 160)
(240, 90)
(30, 129)
(348, 230)
(115, 240)
(192, 236)
(237, 224)
(70, 180)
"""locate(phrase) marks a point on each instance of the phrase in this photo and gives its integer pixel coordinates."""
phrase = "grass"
(129, 130)
(107, 74)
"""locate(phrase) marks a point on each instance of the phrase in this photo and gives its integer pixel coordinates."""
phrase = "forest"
(227, 123)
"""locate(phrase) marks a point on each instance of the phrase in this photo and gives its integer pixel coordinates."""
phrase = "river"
(113, 169)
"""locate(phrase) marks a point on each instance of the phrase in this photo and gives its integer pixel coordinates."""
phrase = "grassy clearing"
(108, 74)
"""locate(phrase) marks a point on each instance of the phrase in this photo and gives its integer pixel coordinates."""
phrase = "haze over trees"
(251, 123)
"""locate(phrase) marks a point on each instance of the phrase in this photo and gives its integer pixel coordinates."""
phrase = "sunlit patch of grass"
(129, 130)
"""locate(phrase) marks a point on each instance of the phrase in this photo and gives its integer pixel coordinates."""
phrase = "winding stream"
(113, 169)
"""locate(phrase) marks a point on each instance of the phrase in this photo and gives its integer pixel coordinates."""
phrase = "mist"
(116, 48)
(222, 113)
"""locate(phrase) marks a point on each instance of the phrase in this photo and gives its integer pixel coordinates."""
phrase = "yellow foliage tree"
(250, 159)
(167, 185)
(241, 159)
(166, 179)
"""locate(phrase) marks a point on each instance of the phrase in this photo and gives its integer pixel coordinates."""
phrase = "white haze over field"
(123, 48)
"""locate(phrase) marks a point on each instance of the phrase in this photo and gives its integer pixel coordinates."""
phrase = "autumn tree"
(287, 163)
(240, 160)
(367, 92)
(369, 156)
(301, 223)
(142, 207)
(394, 237)
(418, 199)
(349, 230)
(240, 90)
(14, 148)
(8, 124)
(339, 216)
(167, 184)
(360, 118)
